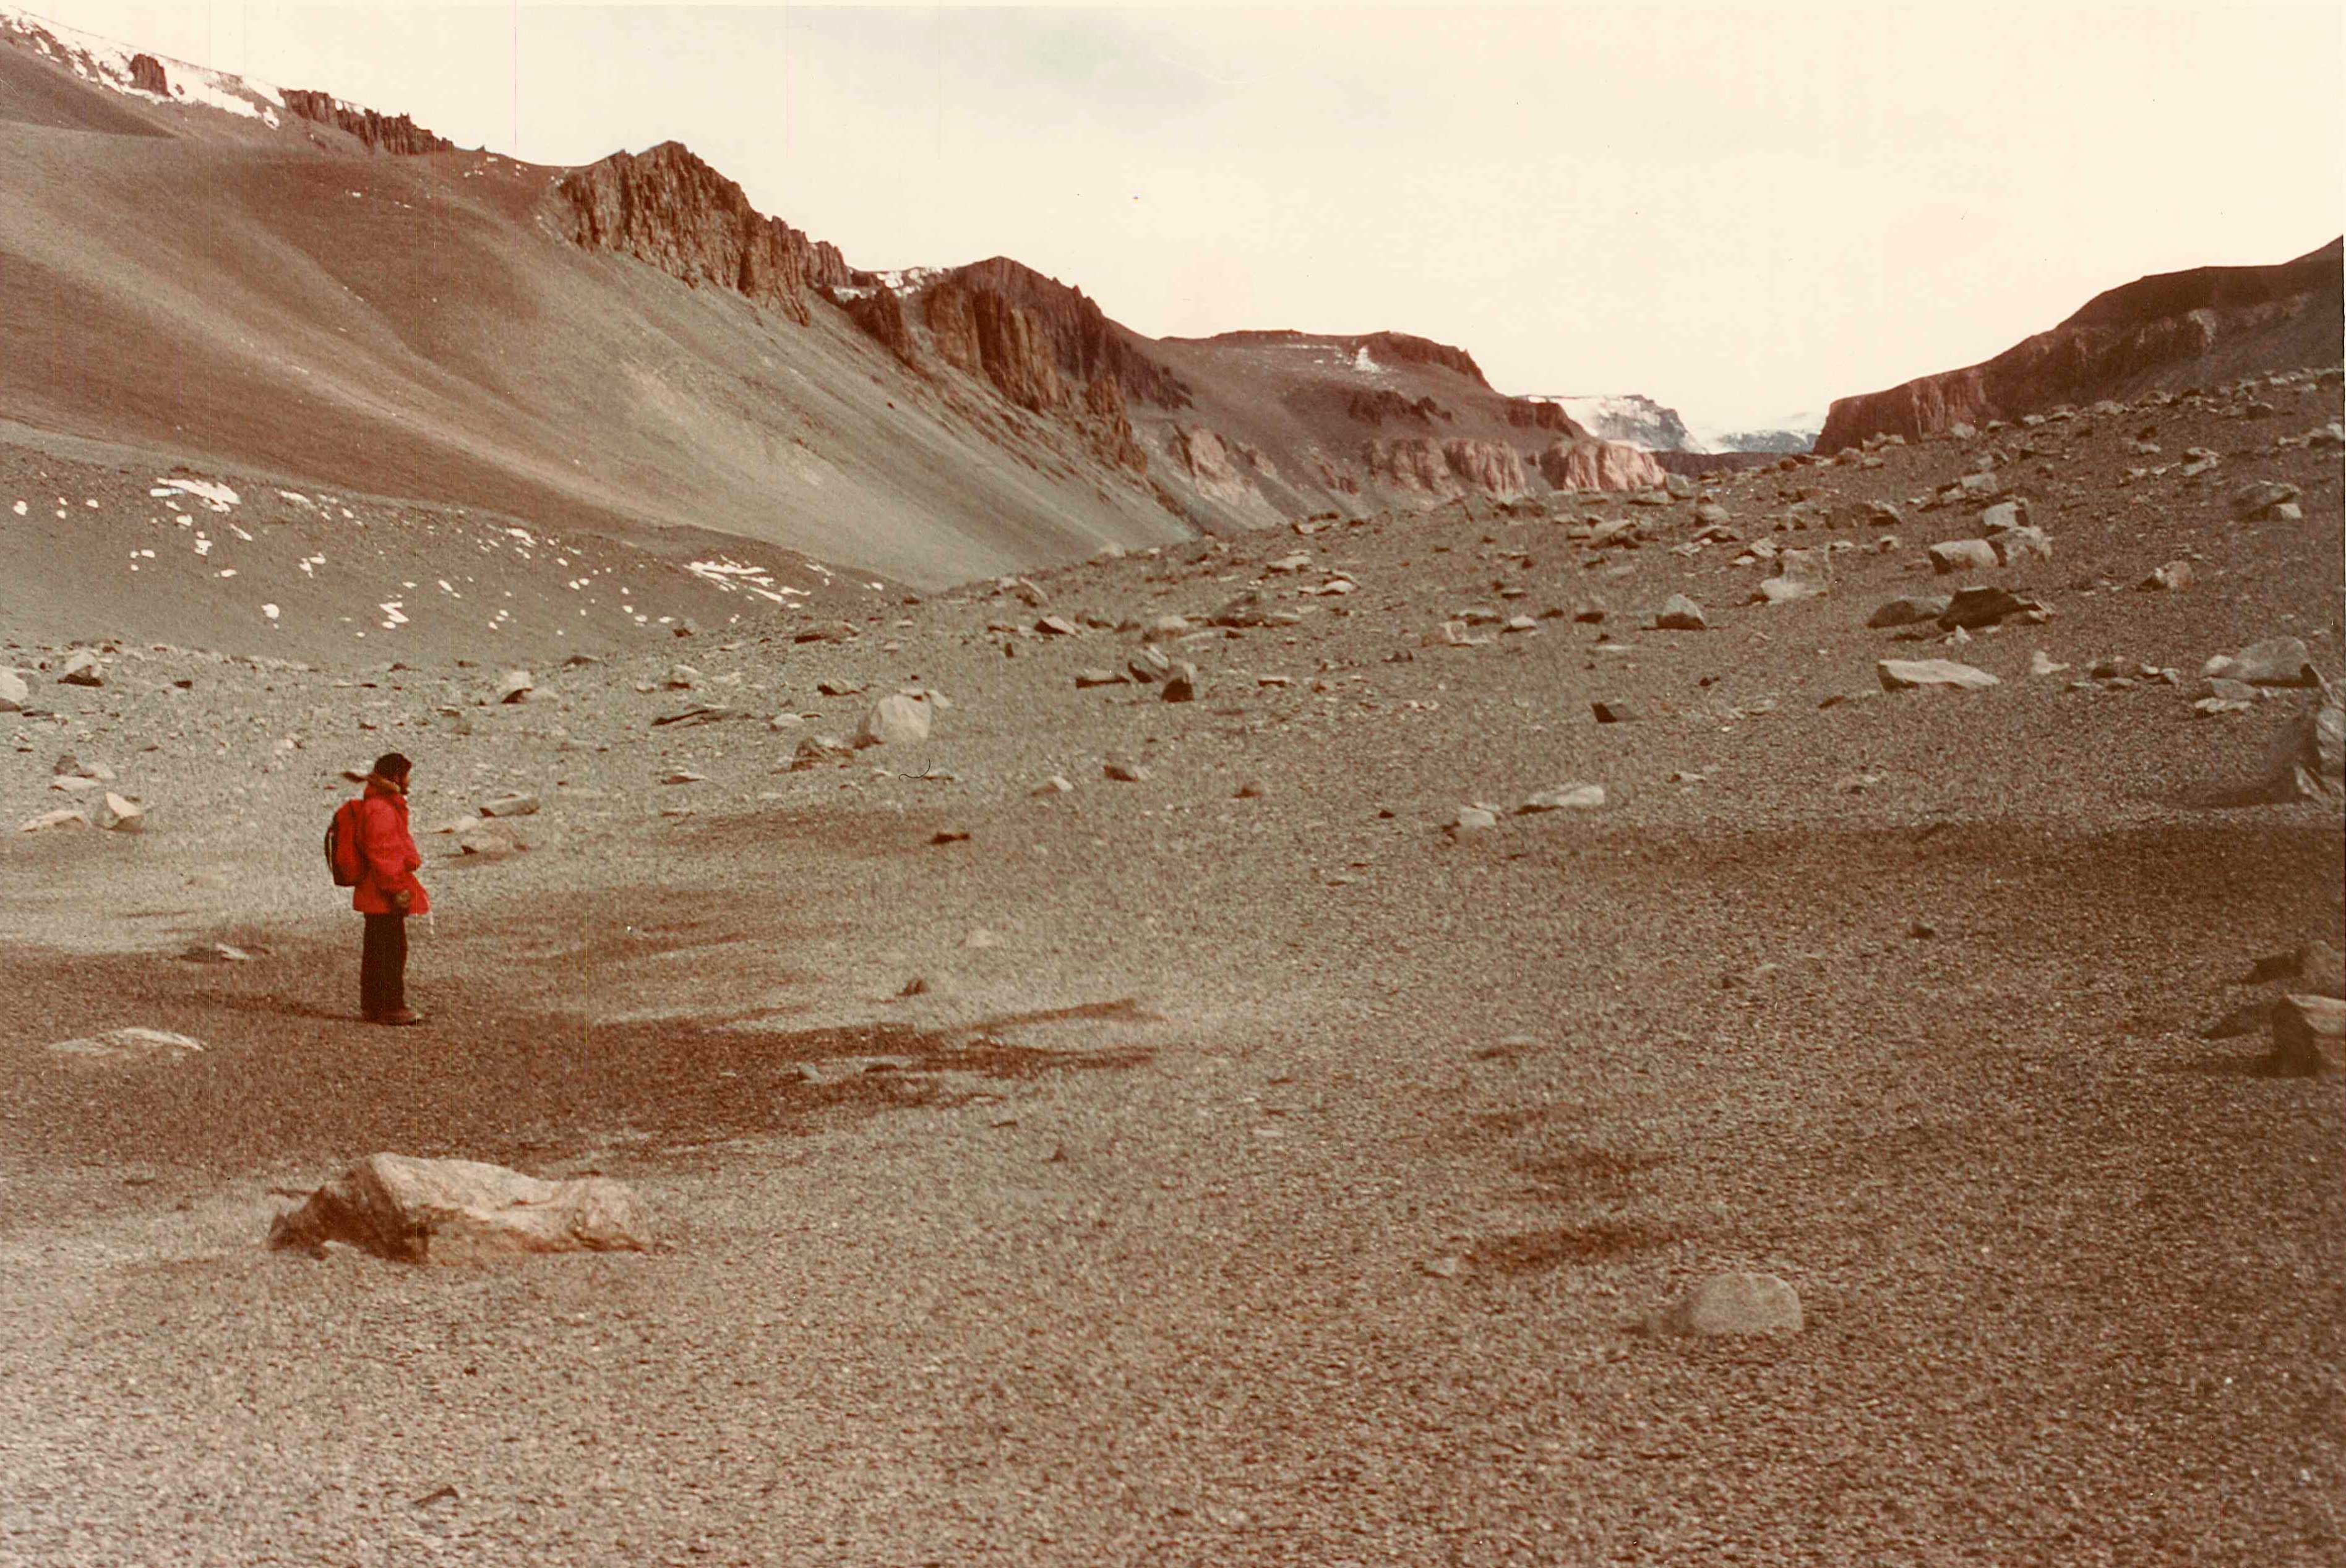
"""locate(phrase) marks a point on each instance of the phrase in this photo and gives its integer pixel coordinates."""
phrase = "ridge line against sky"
(1738, 212)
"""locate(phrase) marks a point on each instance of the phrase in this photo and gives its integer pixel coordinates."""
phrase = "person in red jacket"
(387, 891)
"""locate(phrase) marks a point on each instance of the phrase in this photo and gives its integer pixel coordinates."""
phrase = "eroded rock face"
(2112, 347)
(1210, 463)
(1492, 467)
(1415, 463)
(880, 314)
(1599, 465)
(418, 1210)
(395, 134)
(668, 208)
(147, 75)
(1068, 332)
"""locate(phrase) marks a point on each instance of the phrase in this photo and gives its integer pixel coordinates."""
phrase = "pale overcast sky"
(1742, 212)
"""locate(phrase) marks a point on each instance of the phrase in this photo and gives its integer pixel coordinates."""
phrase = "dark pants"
(382, 965)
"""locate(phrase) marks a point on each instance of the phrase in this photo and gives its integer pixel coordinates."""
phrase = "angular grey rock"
(1909, 612)
(514, 803)
(131, 1045)
(82, 668)
(1732, 1303)
(516, 686)
(1123, 770)
(818, 750)
(1474, 819)
(2262, 499)
(2309, 1035)
(896, 720)
(2309, 761)
(64, 816)
(1973, 608)
(1565, 797)
(1149, 665)
(13, 693)
(1617, 711)
(1087, 678)
(1916, 674)
(2016, 544)
(120, 814)
(1962, 556)
(2172, 578)
(490, 839)
(2275, 661)
(418, 1210)
(1180, 684)
(1679, 614)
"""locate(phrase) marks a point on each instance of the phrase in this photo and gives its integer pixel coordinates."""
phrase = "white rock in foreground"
(120, 814)
(128, 1045)
(894, 721)
(1916, 674)
(1732, 1303)
(13, 693)
(418, 1210)
(1566, 797)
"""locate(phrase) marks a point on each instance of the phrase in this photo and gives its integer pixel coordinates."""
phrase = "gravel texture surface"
(1261, 1173)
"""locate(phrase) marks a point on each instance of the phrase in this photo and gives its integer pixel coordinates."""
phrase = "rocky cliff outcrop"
(1390, 347)
(668, 208)
(1108, 423)
(1424, 466)
(2173, 329)
(1598, 465)
(880, 314)
(1077, 337)
(396, 134)
(1492, 467)
(1375, 407)
(147, 75)
(1527, 414)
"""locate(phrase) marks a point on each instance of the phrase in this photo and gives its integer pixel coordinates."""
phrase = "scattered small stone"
(949, 836)
(215, 952)
(1679, 614)
(515, 803)
(1474, 819)
(1566, 797)
(1124, 771)
(1962, 556)
(1914, 675)
(1057, 784)
(1731, 1304)
(2172, 578)
(118, 814)
(1617, 711)
(2266, 500)
(516, 686)
(131, 1045)
(1909, 611)
(1181, 685)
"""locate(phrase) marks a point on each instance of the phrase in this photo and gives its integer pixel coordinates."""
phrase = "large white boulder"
(420, 1210)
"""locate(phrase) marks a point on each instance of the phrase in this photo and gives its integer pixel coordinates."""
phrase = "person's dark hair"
(392, 765)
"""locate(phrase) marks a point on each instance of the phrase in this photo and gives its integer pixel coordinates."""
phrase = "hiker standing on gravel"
(387, 891)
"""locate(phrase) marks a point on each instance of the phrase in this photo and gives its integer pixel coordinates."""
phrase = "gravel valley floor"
(1268, 1167)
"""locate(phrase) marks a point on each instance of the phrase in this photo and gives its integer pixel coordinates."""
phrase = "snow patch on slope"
(107, 64)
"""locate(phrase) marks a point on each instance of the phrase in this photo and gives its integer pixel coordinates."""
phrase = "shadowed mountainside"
(2167, 331)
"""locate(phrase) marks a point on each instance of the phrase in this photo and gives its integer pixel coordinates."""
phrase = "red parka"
(387, 854)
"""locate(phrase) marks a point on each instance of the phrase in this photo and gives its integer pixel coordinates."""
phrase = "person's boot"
(403, 1016)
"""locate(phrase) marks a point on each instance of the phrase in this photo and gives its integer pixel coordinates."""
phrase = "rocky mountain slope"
(2171, 330)
(348, 302)
(1084, 1127)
